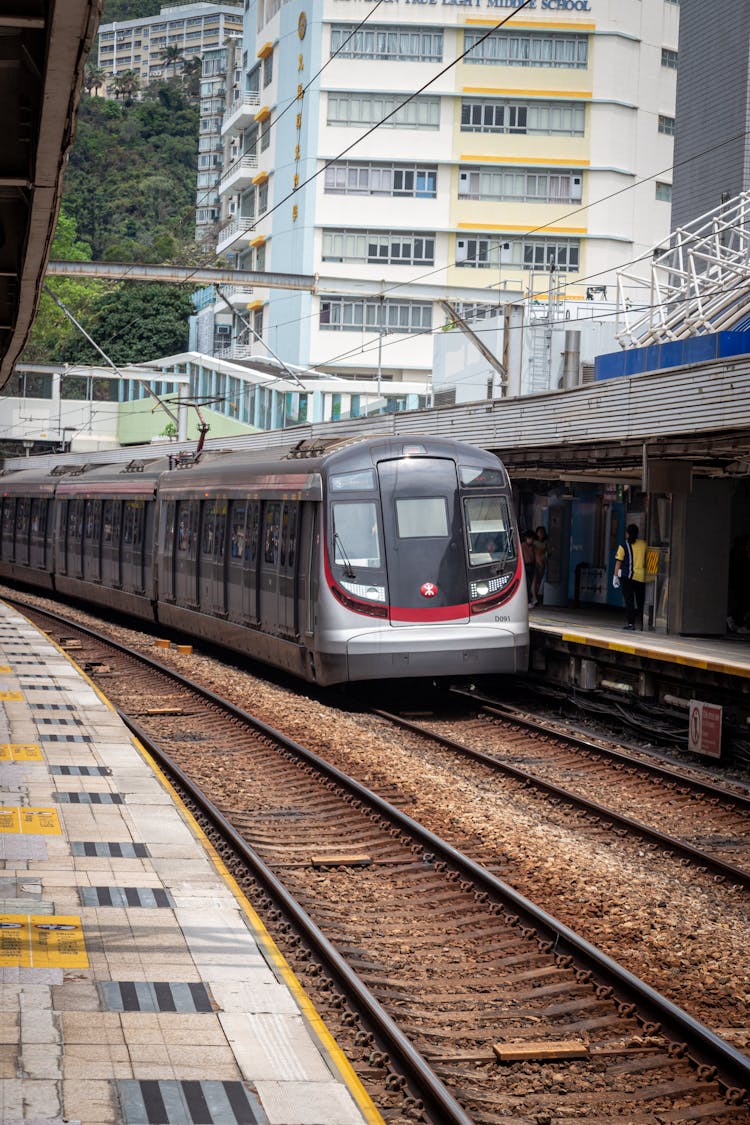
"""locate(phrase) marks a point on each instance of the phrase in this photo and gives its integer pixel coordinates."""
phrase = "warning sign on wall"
(705, 729)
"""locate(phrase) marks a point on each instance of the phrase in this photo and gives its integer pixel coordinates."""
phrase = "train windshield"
(490, 531)
(356, 540)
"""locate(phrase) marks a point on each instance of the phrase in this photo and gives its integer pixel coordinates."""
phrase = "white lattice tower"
(700, 283)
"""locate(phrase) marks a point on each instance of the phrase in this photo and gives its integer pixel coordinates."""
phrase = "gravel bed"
(673, 927)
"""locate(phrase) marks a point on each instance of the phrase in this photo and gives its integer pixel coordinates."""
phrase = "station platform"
(601, 629)
(137, 985)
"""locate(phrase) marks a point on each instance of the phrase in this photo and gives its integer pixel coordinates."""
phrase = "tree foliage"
(134, 322)
(117, 10)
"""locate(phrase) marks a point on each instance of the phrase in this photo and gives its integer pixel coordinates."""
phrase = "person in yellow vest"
(630, 574)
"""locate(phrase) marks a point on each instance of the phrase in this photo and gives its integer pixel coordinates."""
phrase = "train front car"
(422, 564)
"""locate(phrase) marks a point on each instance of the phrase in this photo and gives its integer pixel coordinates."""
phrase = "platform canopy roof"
(44, 45)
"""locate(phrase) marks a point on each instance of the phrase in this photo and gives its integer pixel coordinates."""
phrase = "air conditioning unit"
(461, 250)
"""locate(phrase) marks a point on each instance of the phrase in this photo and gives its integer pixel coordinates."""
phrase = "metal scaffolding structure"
(698, 284)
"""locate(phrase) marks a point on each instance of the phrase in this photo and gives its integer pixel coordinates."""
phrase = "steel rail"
(704, 1047)
(736, 875)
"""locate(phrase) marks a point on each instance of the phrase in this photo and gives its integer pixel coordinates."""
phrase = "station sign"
(704, 735)
(503, 5)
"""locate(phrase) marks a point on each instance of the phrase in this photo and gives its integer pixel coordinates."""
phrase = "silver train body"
(356, 559)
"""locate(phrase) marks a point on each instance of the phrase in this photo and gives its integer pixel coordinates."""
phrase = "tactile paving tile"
(80, 771)
(185, 1103)
(155, 996)
(150, 898)
(88, 798)
(98, 848)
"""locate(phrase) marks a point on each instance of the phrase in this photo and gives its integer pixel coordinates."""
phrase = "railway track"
(461, 1000)
(703, 823)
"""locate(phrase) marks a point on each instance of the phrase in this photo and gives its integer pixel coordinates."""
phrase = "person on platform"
(540, 565)
(630, 574)
(529, 560)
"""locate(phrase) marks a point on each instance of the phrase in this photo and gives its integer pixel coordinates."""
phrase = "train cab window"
(424, 517)
(361, 481)
(472, 476)
(489, 530)
(356, 539)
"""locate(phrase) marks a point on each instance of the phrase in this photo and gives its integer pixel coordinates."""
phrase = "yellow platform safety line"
(274, 955)
(653, 654)
(29, 822)
(42, 941)
(20, 752)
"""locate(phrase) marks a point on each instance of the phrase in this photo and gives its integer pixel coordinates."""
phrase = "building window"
(666, 125)
(669, 58)
(414, 44)
(371, 109)
(396, 248)
(524, 185)
(350, 178)
(664, 192)
(527, 49)
(345, 314)
(268, 69)
(490, 251)
(542, 118)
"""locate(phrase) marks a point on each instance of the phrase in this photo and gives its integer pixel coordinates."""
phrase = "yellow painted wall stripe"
(552, 161)
(514, 226)
(528, 25)
(517, 91)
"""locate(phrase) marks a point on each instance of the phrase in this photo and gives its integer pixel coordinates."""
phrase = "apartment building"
(422, 153)
(138, 44)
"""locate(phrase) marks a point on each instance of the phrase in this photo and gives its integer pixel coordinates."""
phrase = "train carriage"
(348, 559)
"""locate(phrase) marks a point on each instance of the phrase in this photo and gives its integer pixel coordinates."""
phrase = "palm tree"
(126, 85)
(171, 56)
(191, 75)
(94, 77)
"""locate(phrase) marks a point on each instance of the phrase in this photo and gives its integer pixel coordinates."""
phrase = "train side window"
(237, 518)
(38, 519)
(22, 516)
(220, 528)
(132, 524)
(424, 517)
(75, 519)
(271, 528)
(292, 534)
(93, 519)
(253, 533)
(9, 523)
(207, 540)
(167, 539)
(107, 520)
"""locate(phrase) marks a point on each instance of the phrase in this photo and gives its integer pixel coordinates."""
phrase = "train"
(337, 560)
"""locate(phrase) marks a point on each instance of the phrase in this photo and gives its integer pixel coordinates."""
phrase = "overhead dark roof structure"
(43, 49)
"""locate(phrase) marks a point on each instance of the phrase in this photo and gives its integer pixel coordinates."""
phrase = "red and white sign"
(705, 729)
(428, 590)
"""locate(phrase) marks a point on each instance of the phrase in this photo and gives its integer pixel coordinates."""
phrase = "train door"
(61, 536)
(186, 553)
(251, 564)
(288, 548)
(211, 568)
(92, 541)
(110, 572)
(9, 528)
(237, 519)
(426, 560)
(38, 536)
(75, 538)
(133, 526)
(166, 555)
(23, 505)
(307, 571)
(149, 527)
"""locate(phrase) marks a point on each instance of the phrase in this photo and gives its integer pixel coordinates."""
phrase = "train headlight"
(482, 589)
(372, 593)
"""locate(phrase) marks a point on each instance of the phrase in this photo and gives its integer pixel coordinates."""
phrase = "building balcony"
(240, 174)
(240, 113)
(237, 295)
(242, 351)
(239, 230)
